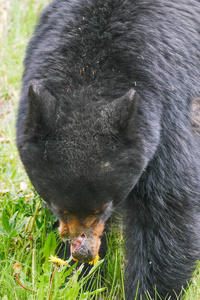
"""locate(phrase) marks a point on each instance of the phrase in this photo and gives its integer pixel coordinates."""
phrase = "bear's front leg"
(160, 249)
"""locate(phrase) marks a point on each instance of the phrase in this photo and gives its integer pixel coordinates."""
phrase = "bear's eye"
(98, 212)
(106, 208)
(66, 212)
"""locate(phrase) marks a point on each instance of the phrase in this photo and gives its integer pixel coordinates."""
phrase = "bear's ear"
(41, 107)
(120, 112)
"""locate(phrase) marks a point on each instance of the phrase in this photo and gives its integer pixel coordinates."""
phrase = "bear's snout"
(80, 249)
(76, 242)
(84, 237)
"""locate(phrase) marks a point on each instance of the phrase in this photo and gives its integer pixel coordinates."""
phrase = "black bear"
(105, 120)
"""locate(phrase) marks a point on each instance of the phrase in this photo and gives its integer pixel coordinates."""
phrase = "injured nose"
(79, 249)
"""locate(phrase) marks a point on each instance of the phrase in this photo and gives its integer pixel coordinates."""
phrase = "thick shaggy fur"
(87, 139)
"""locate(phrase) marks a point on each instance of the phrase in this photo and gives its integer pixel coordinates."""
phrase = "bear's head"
(83, 157)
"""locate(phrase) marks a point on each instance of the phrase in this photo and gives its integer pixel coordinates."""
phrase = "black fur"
(87, 139)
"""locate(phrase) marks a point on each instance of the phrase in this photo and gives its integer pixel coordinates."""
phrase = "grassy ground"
(27, 235)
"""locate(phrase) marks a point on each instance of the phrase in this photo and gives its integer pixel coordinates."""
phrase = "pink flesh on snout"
(76, 243)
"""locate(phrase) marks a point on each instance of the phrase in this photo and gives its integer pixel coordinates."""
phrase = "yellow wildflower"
(95, 261)
(58, 261)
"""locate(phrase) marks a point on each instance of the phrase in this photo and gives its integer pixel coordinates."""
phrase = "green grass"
(27, 235)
